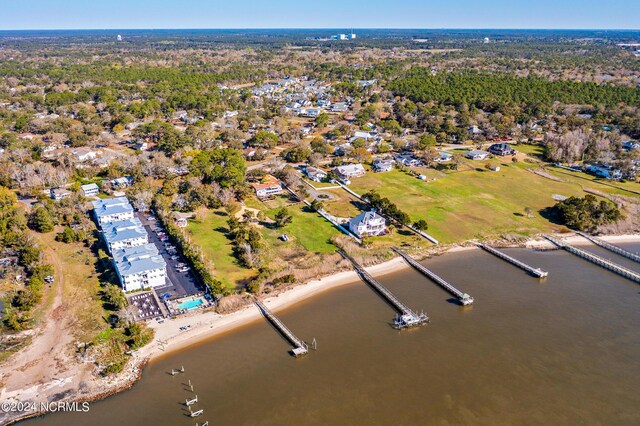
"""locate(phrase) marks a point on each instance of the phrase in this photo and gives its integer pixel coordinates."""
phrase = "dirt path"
(46, 369)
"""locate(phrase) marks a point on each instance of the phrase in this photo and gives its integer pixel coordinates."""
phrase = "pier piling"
(536, 272)
(612, 248)
(600, 261)
(462, 297)
(407, 317)
(299, 346)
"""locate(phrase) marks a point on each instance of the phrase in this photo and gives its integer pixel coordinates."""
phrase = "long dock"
(462, 297)
(612, 248)
(536, 272)
(600, 261)
(407, 318)
(299, 346)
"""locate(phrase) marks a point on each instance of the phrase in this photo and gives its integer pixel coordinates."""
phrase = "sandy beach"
(206, 325)
(203, 326)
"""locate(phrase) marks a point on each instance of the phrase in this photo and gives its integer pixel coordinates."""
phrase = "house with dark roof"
(502, 149)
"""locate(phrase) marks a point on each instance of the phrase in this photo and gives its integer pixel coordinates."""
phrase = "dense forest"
(483, 89)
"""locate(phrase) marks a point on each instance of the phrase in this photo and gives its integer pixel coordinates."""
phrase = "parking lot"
(180, 282)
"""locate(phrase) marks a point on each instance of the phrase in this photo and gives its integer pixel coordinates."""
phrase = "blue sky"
(116, 14)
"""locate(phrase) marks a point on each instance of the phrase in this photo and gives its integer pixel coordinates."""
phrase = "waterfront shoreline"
(206, 326)
(210, 325)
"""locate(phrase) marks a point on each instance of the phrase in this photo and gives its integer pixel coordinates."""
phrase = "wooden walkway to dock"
(462, 297)
(299, 346)
(536, 272)
(600, 261)
(408, 317)
(612, 248)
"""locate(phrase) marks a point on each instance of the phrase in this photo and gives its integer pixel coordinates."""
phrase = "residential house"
(315, 174)
(84, 154)
(349, 171)
(362, 135)
(90, 190)
(141, 146)
(501, 149)
(381, 165)
(604, 171)
(477, 154)
(122, 182)
(59, 193)
(368, 224)
(268, 187)
(312, 112)
(408, 160)
(631, 145)
(443, 157)
(339, 107)
(475, 131)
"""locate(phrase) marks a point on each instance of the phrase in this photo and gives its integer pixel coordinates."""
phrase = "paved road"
(179, 284)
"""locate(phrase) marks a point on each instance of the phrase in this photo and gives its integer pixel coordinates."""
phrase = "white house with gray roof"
(112, 210)
(368, 224)
(124, 234)
(140, 267)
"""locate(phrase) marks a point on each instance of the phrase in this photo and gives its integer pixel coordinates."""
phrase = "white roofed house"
(381, 165)
(124, 234)
(315, 174)
(140, 267)
(339, 107)
(112, 210)
(443, 157)
(349, 171)
(59, 193)
(368, 224)
(84, 154)
(477, 154)
(90, 190)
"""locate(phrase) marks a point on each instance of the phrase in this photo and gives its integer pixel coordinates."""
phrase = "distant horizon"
(326, 29)
(45, 15)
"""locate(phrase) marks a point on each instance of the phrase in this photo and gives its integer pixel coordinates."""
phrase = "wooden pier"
(536, 272)
(407, 317)
(612, 248)
(299, 346)
(462, 297)
(600, 261)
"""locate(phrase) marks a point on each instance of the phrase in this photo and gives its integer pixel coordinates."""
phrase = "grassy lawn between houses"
(472, 203)
(307, 232)
(210, 235)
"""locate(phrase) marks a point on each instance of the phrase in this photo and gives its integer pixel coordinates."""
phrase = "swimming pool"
(190, 304)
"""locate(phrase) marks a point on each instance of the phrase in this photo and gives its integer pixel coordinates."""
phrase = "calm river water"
(561, 351)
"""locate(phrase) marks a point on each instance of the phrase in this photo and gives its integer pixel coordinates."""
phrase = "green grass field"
(308, 232)
(210, 234)
(473, 203)
(307, 228)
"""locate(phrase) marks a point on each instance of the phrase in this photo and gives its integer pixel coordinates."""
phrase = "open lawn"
(627, 188)
(307, 228)
(210, 235)
(472, 203)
